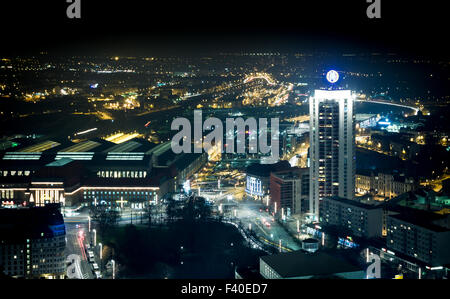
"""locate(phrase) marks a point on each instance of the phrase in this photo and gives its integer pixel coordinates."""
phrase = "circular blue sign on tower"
(332, 76)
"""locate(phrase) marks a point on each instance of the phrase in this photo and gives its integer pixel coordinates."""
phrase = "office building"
(419, 234)
(289, 190)
(383, 184)
(258, 179)
(361, 219)
(32, 242)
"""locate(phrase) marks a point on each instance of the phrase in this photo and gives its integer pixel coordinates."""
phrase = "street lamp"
(113, 269)
(95, 237)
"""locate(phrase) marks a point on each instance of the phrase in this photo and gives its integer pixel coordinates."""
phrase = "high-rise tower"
(332, 145)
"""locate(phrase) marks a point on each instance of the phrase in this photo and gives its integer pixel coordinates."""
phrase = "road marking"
(261, 228)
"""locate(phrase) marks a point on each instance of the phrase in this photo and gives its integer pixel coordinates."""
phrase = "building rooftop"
(160, 149)
(366, 204)
(265, 169)
(299, 263)
(293, 173)
(39, 222)
(124, 147)
(40, 147)
(421, 218)
(59, 163)
(81, 147)
(422, 199)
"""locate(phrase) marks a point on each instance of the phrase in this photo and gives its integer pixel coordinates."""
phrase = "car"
(98, 275)
(95, 266)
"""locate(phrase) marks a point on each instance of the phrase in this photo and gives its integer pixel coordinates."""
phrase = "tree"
(203, 209)
(149, 211)
(171, 210)
(104, 216)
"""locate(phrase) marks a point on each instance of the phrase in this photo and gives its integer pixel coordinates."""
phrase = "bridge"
(391, 104)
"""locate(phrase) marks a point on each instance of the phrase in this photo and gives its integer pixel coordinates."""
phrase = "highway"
(391, 104)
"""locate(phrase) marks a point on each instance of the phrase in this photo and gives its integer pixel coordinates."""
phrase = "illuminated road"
(263, 76)
(391, 104)
(249, 214)
(75, 245)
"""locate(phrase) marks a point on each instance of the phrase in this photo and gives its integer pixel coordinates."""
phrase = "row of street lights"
(101, 250)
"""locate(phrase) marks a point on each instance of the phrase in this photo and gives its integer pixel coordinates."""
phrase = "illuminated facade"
(256, 186)
(385, 185)
(332, 150)
(132, 174)
(258, 179)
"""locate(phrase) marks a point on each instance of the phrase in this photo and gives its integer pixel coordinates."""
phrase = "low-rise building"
(383, 184)
(134, 173)
(258, 179)
(301, 265)
(289, 190)
(362, 219)
(419, 234)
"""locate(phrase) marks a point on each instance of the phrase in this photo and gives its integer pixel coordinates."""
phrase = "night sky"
(149, 27)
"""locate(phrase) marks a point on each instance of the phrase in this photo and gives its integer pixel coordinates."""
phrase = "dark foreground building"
(32, 242)
(301, 265)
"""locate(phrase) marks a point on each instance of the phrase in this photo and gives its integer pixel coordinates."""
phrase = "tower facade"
(332, 146)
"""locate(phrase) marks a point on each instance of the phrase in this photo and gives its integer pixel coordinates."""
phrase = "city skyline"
(249, 141)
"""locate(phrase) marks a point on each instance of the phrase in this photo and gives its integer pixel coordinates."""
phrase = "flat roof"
(365, 205)
(299, 263)
(265, 169)
(421, 218)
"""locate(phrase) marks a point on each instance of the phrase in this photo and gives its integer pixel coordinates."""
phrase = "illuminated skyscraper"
(332, 149)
